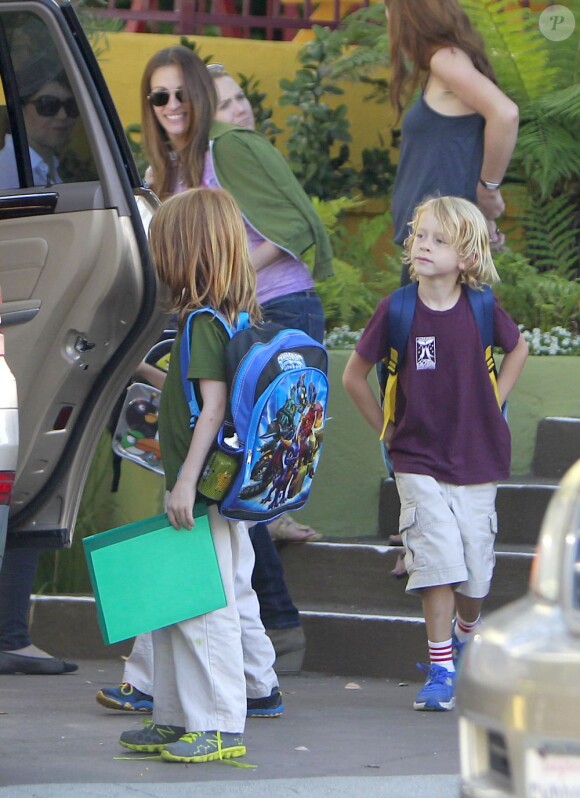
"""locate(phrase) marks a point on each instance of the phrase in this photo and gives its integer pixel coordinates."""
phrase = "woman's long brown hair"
(417, 29)
(200, 92)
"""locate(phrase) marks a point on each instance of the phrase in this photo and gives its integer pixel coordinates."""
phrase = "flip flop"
(285, 528)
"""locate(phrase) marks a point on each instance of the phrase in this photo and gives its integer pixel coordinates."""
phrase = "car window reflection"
(54, 137)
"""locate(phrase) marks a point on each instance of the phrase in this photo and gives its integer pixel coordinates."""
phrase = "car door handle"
(17, 205)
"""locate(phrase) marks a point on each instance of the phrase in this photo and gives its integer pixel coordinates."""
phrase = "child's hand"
(180, 505)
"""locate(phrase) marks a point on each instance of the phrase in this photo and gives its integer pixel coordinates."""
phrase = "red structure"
(283, 18)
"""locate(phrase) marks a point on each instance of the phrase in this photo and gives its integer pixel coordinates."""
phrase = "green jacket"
(269, 196)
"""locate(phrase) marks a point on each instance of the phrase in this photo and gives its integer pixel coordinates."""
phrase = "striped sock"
(441, 654)
(464, 630)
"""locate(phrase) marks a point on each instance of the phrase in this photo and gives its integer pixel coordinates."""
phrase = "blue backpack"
(267, 451)
(401, 312)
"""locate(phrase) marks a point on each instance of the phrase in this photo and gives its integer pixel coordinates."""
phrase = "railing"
(283, 18)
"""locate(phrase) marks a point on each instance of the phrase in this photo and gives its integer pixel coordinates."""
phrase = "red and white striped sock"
(441, 654)
(464, 630)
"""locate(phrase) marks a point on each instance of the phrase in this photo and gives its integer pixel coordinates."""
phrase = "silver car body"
(518, 689)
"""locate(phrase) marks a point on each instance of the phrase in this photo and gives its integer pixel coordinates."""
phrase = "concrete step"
(557, 446)
(358, 619)
(521, 504)
(354, 579)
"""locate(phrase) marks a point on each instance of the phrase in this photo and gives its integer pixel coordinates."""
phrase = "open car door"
(79, 306)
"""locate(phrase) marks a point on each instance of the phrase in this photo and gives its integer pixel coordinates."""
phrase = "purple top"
(287, 275)
(448, 423)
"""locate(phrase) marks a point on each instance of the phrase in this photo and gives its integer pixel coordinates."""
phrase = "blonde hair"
(199, 247)
(465, 227)
(200, 92)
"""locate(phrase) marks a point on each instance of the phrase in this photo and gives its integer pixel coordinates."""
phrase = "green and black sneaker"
(151, 738)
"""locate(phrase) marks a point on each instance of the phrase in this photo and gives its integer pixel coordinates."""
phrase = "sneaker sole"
(226, 753)
(153, 748)
(265, 713)
(441, 706)
(110, 703)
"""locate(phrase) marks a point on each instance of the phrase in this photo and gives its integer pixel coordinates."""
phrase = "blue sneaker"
(456, 646)
(269, 707)
(438, 692)
(125, 697)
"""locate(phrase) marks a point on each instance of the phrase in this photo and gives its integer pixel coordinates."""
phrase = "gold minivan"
(79, 296)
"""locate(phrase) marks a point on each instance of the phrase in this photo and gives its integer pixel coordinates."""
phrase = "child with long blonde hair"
(449, 442)
(199, 248)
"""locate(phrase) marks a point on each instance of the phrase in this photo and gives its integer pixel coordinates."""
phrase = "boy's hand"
(180, 505)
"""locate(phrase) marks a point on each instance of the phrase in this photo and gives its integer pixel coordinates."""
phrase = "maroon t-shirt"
(448, 423)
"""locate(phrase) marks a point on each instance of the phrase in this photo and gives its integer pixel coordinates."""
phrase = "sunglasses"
(49, 105)
(161, 97)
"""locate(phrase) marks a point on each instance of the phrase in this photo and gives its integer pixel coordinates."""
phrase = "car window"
(43, 140)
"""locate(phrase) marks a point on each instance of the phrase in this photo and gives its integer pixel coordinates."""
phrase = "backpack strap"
(482, 304)
(401, 311)
(185, 356)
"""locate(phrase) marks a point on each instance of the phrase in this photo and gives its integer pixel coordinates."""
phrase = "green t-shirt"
(208, 342)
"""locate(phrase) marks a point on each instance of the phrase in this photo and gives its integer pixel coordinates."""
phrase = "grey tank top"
(440, 156)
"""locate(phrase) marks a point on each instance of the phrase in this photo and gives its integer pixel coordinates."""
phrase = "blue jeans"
(276, 608)
(301, 311)
(16, 583)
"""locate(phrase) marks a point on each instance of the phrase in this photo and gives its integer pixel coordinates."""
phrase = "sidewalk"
(332, 740)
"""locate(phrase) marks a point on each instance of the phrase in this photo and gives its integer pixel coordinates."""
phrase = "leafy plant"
(133, 133)
(323, 129)
(537, 300)
(96, 28)
(351, 296)
(551, 237)
(542, 78)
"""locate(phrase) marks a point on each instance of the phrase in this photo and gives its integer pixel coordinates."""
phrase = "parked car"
(80, 298)
(518, 689)
(8, 439)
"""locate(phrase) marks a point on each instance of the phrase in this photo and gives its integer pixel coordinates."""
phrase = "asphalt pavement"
(339, 736)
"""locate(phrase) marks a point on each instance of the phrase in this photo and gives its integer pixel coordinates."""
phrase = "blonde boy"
(449, 443)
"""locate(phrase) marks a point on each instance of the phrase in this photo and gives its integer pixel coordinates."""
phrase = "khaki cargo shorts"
(448, 532)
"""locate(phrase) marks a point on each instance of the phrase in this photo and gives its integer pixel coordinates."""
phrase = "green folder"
(148, 575)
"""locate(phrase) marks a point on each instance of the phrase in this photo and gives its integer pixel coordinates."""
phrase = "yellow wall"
(268, 62)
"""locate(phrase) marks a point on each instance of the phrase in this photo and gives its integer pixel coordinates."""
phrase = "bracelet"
(489, 185)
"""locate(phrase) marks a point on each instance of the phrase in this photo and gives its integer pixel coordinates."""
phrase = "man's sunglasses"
(161, 97)
(49, 105)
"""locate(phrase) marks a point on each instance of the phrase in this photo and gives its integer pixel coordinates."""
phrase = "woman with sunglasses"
(188, 148)
(50, 112)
